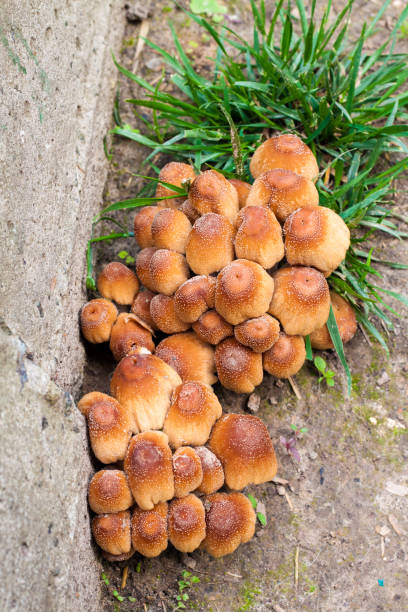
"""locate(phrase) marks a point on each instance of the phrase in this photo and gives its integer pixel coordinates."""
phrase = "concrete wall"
(56, 89)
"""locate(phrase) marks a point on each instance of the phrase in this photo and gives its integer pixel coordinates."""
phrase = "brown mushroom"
(143, 259)
(97, 318)
(301, 300)
(258, 334)
(259, 236)
(285, 151)
(346, 323)
(143, 226)
(191, 213)
(212, 192)
(244, 447)
(148, 467)
(112, 532)
(242, 191)
(193, 411)
(164, 315)
(109, 492)
(212, 328)
(238, 367)
(187, 471)
(149, 530)
(128, 332)
(186, 523)
(286, 357)
(194, 297)
(177, 174)
(213, 474)
(141, 306)
(170, 230)
(210, 245)
(168, 270)
(117, 282)
(243, 291)
(189, 356)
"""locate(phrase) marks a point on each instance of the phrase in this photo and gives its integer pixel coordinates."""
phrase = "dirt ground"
(321, 549)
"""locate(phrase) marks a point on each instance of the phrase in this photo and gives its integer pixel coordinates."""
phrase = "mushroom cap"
(346, 323)
(259, 236)
(142, 265)
(117, 282)
(191, 213)
(149, 530)
(258, 334)
(109, 492)
(174, 173)
(128, 332)
(170, 230)
(230, 521)
(186, 523)
(143, 226)
(97, 318)
(213, 474)
(242, 189)
(286, 357)
(168, 270)
(282, 191)
(210, 245)
(192, 358)
(285, 151)
(194, 297)
(118, 558)
(187, 471)
(193, 411)
(212, 328)
(243, 291)
(163, 313)
(112, 532)
(301, 300)
(141, 306)
(212, 192)
(143, 384)
(149, 469)
(238, 367)
(89, 399)
(316, 236)
(244, 447)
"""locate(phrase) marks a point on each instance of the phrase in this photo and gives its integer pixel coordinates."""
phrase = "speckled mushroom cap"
(194, 297)
(244, 447)
(117, 282)
(141, 306)
(212, 328)
(212, 192)
(168, 270)
(258, 334)
(230, 521)
(259, 236)
(301, 299)
(143, 384)
(346, 323)
(187, 471)
(282, 191)
(238, 367)
(149, 530)
(192, 358)
(143, 259)
(149, 469)
(210, 245)
(174, 173)
(286, 356)
(316, 236)
(243, 291)
(285, 151)
(127, 333)
(97, 318)
(242, 190)
(191, 213)
(112, 532)
(193, 411)
(109, 492)
(213, 474)
(170, 230)
(164, 315)
(186, 523)
(142, 226)
(110, 426)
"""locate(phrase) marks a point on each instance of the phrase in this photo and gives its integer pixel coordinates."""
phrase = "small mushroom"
(243, 291)
(244, 447)
(286, 357)
(186, 523)
(187, 471)
(143, 226)
(212, 328)
(112, 532)
(210, 245)
(282, 191)
(213, 474)
(127, 333)
(230, 521)
(193, 411)
(346, 323)
(301, 300)
(191, 213)
(259, 236)
(189, 356)
(316, 236)
(168, 270)
(149, 469)
(164, 315)
(242, 191)
(149, 530)
(175, 173)
(194, 297)
(109, 492)
(212, 192)
(258, 334)
(97, 318)
(141, 306)
(143, 259)
(238, 367)
(170, 230)
(118, 283)
(285, 151)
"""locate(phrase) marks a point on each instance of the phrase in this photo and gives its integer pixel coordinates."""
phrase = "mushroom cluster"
(228, 283)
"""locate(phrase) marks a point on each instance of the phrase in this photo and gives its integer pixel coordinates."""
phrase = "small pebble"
(396, 489)
(254, 402)
(280, 490)
(383, 379)
(260, 507)
(188, 561)
(312, 455)
(155, 63)
(373, 420)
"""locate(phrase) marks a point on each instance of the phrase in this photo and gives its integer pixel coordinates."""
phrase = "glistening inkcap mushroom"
(141, 306)
(97, 319)
(286, 356)
(118, 283)
(177, 174)
(128, 332)
(346, 323)
(258, 334)
(149, 530)
(170, 230)
(186, 523)
(164, 316)
(212, 328)
(286, 151)
(187, 471)
(213, 473)
(142, 266)
(238, 367)
(109, 492)
(190, 357)
(210, 245)
(194, 297)
(259, 236)
(212, 192)
(168, 270)
(112, 532)
(242, 189)
(142, 226)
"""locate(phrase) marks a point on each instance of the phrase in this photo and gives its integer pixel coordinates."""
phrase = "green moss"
(248, 594)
